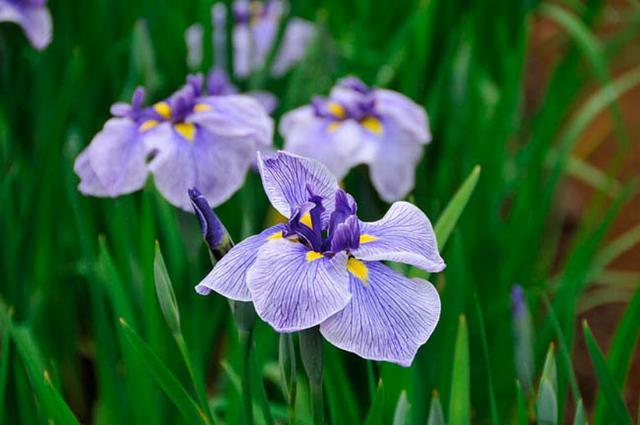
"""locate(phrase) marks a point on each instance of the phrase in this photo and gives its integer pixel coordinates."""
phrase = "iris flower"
(255, 31)
(361, 125)
(33, 16)
(324, 266)
(189, 140)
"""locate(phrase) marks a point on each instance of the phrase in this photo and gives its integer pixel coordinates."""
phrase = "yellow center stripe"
(372, 124)
(313, 256)
(358, 269)
(364, 238)
(163, 109)
(202, 107)
(148, 125)
(337, 110)
(275, 236)
(333, 126)
(186, 130)
(306, 220)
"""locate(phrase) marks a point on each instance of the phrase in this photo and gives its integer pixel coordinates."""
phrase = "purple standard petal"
(114, 162)
(407, 115)
(193, 39)
(389, 316)
(229, 275)
(403, 235)
(287, 180)
(234, 116)
(213, 231)
(242, 47)
(293, 288)
(216, 165)
(295, 42)
(33, 17)
(337, 144)
(393, 165)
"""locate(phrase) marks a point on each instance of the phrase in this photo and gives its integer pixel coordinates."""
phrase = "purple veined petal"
(295, 42)
(287, 178)
(216, 165)
(229, 275)
(242, 39)
(403, 235)
(393, 165)
(237, 116)
(268, 100)
(389, 317)
(293, 288)
(34, 19)
(264, 32)
(338, 145)
(407, 115)
(116, 158)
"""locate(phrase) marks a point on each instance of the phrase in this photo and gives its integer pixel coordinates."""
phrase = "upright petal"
(403, 235)
(229, 275)
(293, 288)
(237, 116)
(288, 178)
(242, 47)
(389, 316)
(116, 158)
(35, 20)
(394, 162)
(338, 145)
(295, 43)
(407, 114)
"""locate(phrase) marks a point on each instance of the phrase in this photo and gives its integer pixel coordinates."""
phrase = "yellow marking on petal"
(313, 256)
(364, 238)
(148, 125)
(163, 109)
(358, 269)
(275, 236)
(202, 107)
(337, 110)
(372, 124)
(186, 130)
(306, 220)
(333, 126)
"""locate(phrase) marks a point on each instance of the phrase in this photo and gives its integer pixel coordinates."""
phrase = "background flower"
(34, 18)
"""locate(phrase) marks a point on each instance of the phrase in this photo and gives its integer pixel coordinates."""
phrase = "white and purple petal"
(32, 16)
(114, 163)
(404, 112)
(287, 179)
(293, 288)
(389, 316)
(403, 235)
(295, 42)
(229, 275)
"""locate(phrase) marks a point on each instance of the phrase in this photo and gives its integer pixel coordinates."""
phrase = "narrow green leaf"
(580, 416)
(522, 417)
(459, 403)
(165, 378)
(606, 382)
(549, 369)
(622, 348)
(485, 354)
(452, 212)
(402, 408)
(4, 366)
(547, 404)
(164, 289)
(377, 407)
(436, 415)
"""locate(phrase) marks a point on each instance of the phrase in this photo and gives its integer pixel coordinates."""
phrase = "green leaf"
(580, 416)
(522, 417)
(436, 415)
(4, 365)
(165, 378)
(459, 403)
(452, 212)
(549, 369)
(166, 296)
(622, 348)
(377, 407)
(402, 408)
(607, 384)
(487, 363)
(547, 404)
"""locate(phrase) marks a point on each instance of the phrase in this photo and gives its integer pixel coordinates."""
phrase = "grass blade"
(485, 354)
(402, 408)
(377, 407)
(459, 403)
(164, 289)
(607, 384)
(581, 416)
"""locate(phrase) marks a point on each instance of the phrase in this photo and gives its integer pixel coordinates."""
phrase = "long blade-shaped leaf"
(377, 407)
(459, 403)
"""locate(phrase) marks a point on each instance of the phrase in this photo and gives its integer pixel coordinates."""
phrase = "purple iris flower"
(255, 31)
(361, 125)
(189, 140)
(34, 18)
(324, 266)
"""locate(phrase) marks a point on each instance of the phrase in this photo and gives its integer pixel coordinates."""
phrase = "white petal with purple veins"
(403, 235)
(406, 114)
(293, 288)
(389, 316)
(229, 275)
(295, 43)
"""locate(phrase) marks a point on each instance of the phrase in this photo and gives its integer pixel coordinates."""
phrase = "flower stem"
(311, 354)
(287, 362)
(245, 337)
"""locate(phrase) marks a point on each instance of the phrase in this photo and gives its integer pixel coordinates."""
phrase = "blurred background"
(544, 96)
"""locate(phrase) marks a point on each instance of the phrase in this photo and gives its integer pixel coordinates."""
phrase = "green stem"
(317, 404)
(245, 347)
(311, 354)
